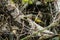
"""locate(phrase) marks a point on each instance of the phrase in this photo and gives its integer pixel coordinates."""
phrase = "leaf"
(56, 38)
(27, 1)
(48, 0)
(38, 20)
(12, 1)
(31, 1)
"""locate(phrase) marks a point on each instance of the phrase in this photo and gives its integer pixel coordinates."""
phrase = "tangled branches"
(28, 22)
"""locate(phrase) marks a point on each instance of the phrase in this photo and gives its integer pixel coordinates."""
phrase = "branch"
(54, 24)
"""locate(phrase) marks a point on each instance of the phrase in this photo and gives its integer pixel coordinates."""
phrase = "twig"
(54, 24)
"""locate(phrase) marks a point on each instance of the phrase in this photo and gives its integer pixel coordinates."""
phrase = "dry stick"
(54, 24)
(23, 27)
(22, 10)
(37, 26)
(41, 30)
(53, 36)
(34, 24)
(6, 19)
(44, 37)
